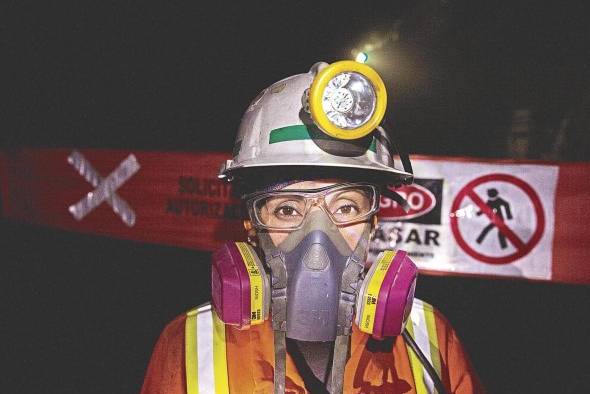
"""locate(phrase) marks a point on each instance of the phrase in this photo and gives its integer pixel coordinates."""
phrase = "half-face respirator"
(313, 278)
(241, 293)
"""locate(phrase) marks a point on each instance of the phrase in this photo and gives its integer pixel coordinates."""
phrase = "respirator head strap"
(351, 278)
(280, 345)
(339, 358)
(278, 270)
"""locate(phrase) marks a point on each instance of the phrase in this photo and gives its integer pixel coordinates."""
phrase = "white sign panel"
(474, 218)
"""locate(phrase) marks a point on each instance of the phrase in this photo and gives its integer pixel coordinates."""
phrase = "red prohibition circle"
(521, 251)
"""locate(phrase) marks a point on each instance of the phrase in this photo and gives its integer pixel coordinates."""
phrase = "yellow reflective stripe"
(190, 353)
(415, 364)
(219, 356)
(422, 327)
(255, 283)
(205, 352)
(372, 294)
(433, 338)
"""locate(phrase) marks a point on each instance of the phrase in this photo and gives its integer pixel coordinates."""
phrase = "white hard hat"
(293, 124)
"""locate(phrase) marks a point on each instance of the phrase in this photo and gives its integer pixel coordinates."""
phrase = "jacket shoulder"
(458, 371)
(166, 369)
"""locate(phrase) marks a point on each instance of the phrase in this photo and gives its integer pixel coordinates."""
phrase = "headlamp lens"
(349, 100)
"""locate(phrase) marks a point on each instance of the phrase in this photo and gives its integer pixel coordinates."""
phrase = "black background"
(80, 313)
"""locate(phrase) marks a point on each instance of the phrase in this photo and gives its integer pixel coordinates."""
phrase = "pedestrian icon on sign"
(498, 205)
(499, 212)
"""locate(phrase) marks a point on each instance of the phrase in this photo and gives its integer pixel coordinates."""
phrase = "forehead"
(316, 184)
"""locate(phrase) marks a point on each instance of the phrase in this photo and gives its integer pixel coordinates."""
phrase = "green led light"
(361, 57)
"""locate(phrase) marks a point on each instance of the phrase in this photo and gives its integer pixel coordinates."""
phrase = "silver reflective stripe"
(423, 340)
(105, 188)
(206, 365)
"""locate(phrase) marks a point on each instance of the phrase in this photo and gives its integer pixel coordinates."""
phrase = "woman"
(310, 163)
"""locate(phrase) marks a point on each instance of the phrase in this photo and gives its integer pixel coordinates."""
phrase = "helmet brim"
(355, 170)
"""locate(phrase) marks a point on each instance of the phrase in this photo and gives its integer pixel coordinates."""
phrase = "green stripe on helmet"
(301, 132)
(291, 133)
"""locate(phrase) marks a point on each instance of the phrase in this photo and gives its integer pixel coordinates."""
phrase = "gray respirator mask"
(318, 273)
(322, 274)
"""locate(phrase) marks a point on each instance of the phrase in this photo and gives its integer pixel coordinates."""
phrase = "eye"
(286, 211)
(347, 209)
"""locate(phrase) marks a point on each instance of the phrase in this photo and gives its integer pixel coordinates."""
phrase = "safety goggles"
(344, 203)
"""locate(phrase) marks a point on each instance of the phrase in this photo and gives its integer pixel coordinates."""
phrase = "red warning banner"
(467, 217)
(175, 198)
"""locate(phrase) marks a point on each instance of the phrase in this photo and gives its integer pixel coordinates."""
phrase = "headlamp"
(347, 100)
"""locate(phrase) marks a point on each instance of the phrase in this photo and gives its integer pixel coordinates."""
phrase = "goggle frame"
(312, 197)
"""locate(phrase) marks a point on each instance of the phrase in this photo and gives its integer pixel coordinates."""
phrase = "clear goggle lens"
(287, 209)
(349, 100)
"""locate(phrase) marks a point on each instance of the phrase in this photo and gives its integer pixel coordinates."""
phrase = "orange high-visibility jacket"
(197, 353)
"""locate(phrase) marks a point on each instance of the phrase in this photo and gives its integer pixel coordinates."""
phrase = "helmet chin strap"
(406, 163)
(395, 196)
(351, 278)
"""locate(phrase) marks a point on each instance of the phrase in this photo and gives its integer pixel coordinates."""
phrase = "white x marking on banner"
(105, 188)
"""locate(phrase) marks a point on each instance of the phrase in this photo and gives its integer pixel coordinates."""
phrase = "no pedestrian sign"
(499, 210)
(501, 219)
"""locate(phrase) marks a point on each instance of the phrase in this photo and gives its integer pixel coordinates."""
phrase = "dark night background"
(81, 313)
